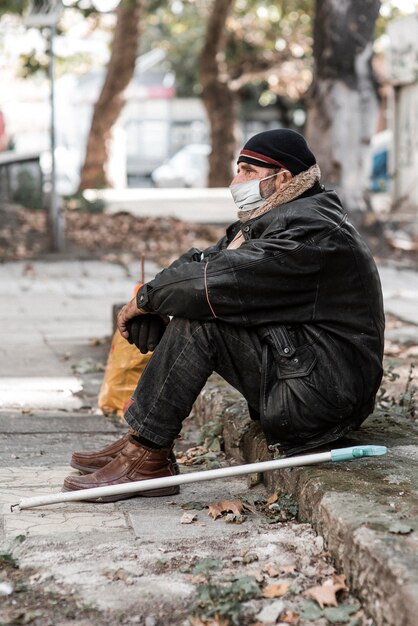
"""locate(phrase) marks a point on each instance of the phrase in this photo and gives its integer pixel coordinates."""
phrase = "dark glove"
(145, 331)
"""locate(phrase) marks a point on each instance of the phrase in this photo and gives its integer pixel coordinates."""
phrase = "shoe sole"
(89, 470)
(152, 493)
(83, 469)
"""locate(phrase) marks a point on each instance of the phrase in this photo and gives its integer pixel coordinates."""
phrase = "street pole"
(56, 215)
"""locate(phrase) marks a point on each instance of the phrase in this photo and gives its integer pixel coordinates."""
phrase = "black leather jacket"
(309, 285)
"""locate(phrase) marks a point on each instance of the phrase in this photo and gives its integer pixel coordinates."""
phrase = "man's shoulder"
(322, 209)
(326, 200)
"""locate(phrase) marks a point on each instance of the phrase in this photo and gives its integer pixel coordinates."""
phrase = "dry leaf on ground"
(95, 341)
(188, 518)
(339, 579)
(273, 498)
(119, 574)
(271, 570)
(187, 457)
(325, 594)
(290, 617)
(276, 590)
(217, 509)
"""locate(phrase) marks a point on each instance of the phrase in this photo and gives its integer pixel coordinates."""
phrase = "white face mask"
(247, 196)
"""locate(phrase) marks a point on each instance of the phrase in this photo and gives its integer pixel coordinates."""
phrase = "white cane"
(339, 454)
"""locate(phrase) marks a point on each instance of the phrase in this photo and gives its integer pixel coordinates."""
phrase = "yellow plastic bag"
(125, 365)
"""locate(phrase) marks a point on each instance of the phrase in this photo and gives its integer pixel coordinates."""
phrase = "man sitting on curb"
(286, 307)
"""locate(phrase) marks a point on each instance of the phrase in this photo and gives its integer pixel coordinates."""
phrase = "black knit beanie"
(278, 148)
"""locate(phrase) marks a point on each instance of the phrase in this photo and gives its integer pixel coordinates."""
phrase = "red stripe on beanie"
(260, 157)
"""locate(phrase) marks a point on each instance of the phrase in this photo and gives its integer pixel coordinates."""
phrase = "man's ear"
(283, 178)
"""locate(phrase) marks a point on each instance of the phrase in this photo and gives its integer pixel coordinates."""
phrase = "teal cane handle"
(357, 452)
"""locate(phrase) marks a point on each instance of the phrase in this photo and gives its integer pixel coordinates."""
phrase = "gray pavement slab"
(55, 422)
(40, 391)
(147, 515)
(406, 335)
(48, 310)
(400, 292)
(94, 549)
(41, 450)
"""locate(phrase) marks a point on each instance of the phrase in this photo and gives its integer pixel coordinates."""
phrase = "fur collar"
(295, 188)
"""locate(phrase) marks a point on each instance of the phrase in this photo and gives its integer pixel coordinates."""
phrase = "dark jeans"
(186, 356)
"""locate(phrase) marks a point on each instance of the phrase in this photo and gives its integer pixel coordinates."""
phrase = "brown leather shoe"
(88, 462)
(134, 462)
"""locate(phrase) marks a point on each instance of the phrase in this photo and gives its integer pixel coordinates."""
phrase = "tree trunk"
(110, 103)
(343, 103)
(220, 100)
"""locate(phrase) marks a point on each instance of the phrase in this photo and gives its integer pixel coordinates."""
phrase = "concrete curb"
(366, 510)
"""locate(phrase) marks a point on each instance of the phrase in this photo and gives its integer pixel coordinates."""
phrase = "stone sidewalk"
(53, 318)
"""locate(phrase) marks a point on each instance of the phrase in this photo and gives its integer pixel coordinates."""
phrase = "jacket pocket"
(301, 395)
(291, 361)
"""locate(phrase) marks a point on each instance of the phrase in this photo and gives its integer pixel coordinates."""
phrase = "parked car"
(187, 168)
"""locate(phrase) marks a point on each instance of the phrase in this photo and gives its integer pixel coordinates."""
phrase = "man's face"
(247, 172)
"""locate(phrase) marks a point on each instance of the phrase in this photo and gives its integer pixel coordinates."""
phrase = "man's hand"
(145, 331)
(129, 311)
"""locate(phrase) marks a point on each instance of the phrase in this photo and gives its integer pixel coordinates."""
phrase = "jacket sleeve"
(265, 280)
(196, 254)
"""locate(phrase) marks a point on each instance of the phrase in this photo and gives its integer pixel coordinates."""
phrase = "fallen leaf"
(271, 570)
(276, 590)
(217, 509)
(95, 341)
(273, 498)
(119, 574)
(290, 617)
(188, 518)
(325, 594)
(249, 557)
(339, 579)
(189, 456)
